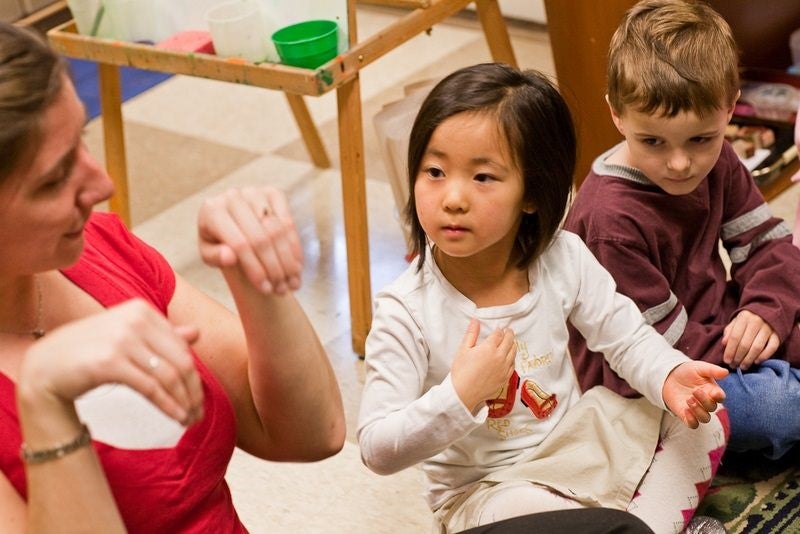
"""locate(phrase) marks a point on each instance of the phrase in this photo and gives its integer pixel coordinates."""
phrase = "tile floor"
(189, 137)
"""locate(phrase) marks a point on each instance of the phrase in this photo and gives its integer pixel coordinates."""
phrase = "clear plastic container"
(794, 46)
(135, 20)
(775, 101)
(241, 28)
(89, 16)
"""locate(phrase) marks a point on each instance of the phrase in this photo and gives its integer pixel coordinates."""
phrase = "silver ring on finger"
(153, 362)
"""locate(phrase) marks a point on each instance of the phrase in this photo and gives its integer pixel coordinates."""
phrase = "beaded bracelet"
(44, 455)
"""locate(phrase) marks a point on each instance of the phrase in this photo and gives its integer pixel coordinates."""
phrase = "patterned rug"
(752, 495)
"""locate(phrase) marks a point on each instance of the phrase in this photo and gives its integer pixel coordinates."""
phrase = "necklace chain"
(38, 331)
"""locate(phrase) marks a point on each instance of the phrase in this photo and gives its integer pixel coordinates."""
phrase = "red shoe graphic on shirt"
(503, 404)
(538, 401)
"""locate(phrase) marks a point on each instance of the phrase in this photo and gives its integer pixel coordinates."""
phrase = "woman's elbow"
(331, 442)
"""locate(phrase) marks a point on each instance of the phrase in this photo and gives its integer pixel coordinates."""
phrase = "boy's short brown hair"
(669, 56)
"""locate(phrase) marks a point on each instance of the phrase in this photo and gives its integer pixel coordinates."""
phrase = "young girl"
(467, 363)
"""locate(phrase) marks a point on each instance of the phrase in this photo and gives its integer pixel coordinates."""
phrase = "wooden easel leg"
(309, 131)
(351, 148)
(114, 139)
(496, 31)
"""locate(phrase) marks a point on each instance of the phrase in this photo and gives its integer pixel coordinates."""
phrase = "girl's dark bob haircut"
(537, 125)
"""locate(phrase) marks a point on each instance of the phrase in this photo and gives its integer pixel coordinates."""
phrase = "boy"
(654, 208)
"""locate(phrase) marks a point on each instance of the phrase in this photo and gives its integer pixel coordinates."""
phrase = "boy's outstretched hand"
(691, 391)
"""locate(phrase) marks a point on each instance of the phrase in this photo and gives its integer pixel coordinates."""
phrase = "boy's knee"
(762, 409)
(768, 386)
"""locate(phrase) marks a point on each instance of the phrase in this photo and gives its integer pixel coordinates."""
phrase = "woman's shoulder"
(106, 232)
(109, 240)
(117, 265)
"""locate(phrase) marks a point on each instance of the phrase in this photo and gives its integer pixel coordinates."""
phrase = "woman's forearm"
(69, 493)
(294, 387)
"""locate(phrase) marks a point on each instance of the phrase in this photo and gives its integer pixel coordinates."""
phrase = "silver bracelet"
(44, 455)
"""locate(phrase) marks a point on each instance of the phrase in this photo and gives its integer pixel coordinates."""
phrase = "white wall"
(532, 10)
(524, 9)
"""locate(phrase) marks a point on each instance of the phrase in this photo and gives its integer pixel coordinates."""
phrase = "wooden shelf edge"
(402, 30)
(781, 183)
(66, 40)
(398, 3)
(40, 15)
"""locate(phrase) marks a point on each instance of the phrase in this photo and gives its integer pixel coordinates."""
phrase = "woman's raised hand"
(253, 229)
(132, 344)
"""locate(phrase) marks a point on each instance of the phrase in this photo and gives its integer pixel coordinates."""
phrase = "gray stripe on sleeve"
(677, 328)
(659, 311)
(740, 254)
(746, 222)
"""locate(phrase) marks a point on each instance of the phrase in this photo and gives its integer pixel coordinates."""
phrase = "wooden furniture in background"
(46, 17)
(340, 74)
(581, 31)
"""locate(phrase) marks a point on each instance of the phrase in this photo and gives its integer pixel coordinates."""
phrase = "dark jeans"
(581, 520)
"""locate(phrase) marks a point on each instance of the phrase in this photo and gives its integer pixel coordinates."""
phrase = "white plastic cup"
(192, 13)
(240, 28)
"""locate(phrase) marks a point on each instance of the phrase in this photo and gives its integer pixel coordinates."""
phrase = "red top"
(178, 489)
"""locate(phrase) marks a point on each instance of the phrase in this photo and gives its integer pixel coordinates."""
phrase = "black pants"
(578, 521)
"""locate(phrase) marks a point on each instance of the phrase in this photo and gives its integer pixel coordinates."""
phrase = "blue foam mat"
(133, 81)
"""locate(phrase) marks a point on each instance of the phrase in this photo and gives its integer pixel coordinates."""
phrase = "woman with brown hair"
(123, 389)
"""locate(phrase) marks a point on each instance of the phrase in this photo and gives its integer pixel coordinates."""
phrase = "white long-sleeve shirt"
(410, 412)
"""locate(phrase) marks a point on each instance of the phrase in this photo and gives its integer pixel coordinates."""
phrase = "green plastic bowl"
(307, 44)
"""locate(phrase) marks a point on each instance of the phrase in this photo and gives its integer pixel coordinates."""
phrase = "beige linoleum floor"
(189, 137)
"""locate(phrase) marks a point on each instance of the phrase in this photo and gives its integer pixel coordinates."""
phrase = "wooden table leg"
(308, 130)
(351, 149)
(114, 138)
(496, 31)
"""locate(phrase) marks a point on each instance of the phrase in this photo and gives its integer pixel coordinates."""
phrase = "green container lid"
(307, 44)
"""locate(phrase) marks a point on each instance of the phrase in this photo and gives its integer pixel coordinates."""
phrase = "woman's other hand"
(131, 344)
